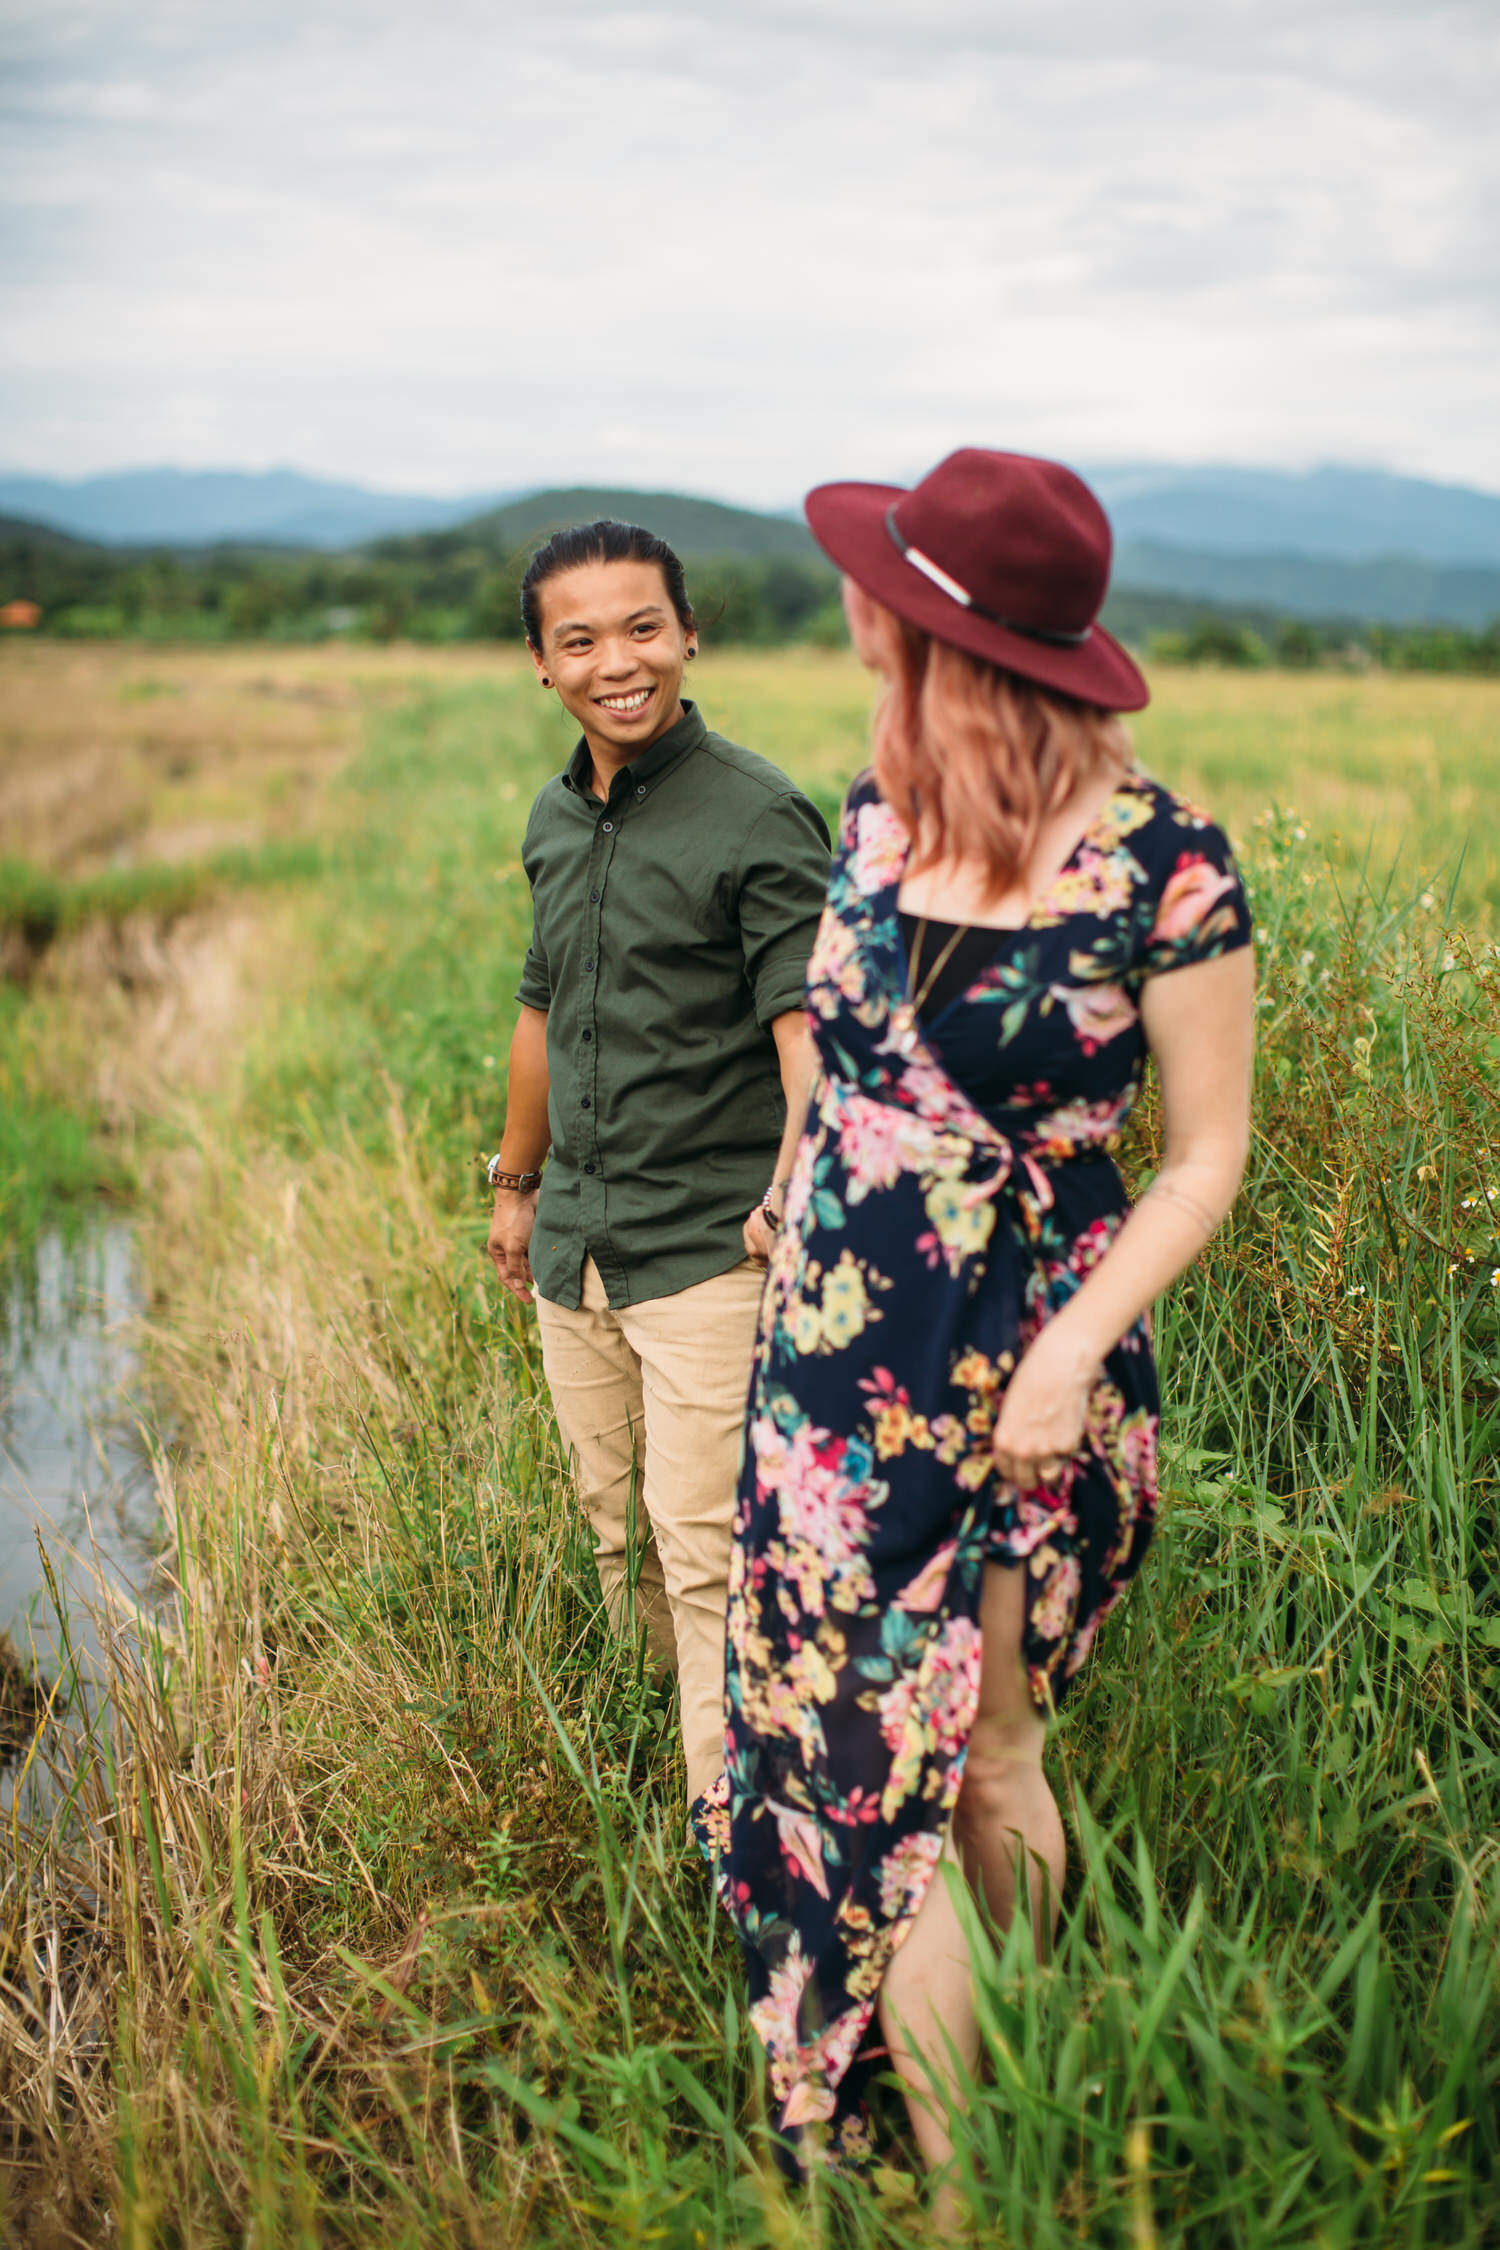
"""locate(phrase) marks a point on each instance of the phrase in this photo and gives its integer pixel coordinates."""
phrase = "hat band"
(950, 586)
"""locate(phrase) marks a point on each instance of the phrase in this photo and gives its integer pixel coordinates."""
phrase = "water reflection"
(71, 1461)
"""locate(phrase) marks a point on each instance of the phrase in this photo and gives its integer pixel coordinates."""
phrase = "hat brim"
(848, 522)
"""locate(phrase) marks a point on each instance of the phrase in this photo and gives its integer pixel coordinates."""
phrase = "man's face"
(614, 649)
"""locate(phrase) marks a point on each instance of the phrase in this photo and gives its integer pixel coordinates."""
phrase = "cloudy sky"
(740, 247)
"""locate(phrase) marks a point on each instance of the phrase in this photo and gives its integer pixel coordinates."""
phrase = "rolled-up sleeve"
(783, 879)
(535, 988)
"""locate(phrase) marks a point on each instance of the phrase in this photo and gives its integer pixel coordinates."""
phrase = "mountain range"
(211, 507)
(1386, 590)
(1361, 544)
(1344, 515)
(698, 528)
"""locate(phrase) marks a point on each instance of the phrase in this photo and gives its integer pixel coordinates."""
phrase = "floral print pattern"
(954, 1186)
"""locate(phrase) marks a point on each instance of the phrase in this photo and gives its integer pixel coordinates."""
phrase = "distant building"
(19, 617)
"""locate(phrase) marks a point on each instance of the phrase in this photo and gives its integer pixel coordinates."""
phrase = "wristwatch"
(524, 1181)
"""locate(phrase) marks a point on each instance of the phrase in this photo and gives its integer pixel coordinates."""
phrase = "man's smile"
(626, 705)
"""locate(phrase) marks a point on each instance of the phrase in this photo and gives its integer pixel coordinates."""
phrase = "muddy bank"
(23, 1699)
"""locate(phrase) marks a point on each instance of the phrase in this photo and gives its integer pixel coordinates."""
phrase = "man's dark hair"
(604, 541)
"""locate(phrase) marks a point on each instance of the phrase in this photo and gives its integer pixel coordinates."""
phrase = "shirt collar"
(653, 762)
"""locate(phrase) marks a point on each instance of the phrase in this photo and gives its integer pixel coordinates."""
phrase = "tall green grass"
(370, 1918)
(57, 1152)
(38, 907)
(50, 1159)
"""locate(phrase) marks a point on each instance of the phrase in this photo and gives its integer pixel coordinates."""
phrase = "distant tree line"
(434, 589)
(1295, 645)
(447, 587)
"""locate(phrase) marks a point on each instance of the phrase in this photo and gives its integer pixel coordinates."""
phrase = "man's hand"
(523, 1149)
(509, 1244)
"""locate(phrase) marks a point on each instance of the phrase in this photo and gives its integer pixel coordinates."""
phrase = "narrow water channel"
(73, 1466)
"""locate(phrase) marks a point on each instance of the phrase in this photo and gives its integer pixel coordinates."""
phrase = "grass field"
(368, 1918)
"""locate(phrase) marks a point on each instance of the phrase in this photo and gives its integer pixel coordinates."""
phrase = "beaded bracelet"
(775, 1217)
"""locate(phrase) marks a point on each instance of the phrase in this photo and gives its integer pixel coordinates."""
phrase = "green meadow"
(362, 1912)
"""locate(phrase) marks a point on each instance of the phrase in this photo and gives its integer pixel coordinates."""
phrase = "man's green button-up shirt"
(671, 926)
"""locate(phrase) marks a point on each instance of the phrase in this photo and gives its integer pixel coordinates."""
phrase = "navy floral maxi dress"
(953, 1187)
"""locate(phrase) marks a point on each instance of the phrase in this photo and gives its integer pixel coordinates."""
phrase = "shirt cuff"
(779, 989)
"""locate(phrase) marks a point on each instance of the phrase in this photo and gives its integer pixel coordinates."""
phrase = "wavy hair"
(971, 758)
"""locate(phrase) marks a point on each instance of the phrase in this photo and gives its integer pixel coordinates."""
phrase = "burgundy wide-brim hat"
(997, 553)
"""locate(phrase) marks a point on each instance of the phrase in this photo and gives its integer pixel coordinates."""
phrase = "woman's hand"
(798, 1060)
(509, 1245)
(759, 1237)
(1043, 1412)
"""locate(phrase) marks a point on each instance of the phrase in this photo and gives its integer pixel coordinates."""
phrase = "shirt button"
(593, 898)
(588, 964)
(640, 789)
(588, 1167)
(584, 1104)
(588, 1035)
(608, 826)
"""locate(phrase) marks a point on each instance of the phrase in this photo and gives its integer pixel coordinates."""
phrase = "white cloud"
(491, 244)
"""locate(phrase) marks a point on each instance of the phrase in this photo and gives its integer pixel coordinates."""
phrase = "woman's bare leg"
(1005, 1807)
(927, 2014)
(927, 1999)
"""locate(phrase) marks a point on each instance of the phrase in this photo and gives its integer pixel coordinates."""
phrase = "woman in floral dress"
(949, 1473)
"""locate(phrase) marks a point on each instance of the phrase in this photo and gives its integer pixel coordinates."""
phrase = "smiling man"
(676, 885)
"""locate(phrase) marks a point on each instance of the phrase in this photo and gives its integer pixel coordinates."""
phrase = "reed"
(359, 1910)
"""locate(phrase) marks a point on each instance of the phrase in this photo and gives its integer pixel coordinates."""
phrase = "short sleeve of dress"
(1197, 902)
(863, 790)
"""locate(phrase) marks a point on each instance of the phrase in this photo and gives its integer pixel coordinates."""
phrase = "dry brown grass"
(112, 754)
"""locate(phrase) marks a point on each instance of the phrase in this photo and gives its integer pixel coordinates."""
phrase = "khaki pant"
(650, 1400)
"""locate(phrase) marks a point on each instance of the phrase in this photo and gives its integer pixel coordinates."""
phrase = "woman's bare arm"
(798, 1058)
(1199, 1026)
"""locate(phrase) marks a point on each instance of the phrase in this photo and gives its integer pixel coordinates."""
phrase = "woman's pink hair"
(971, 757)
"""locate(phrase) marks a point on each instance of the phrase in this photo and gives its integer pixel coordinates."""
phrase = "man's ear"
(538, 665)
